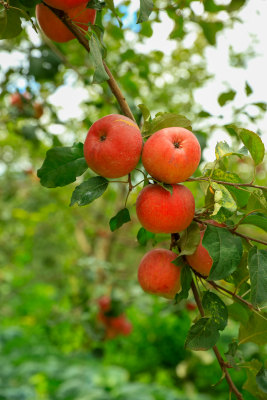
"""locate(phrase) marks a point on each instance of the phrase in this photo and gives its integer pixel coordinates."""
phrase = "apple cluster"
(114, 324)
(54, 28)
(112, 149)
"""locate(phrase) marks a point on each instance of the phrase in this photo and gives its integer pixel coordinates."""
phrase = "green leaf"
(257, 201)
(248, 89)
(110, 4)
(253, 143)
(261, 105)
(203, 335)
(143, 236)
(235, 5)
(62, 165)
(255, 330)
(186, 279)
(257, 264)
(189, 239)
(120, 218)
(10, 23)
(232, 354)
(3, 21)
(257, 219)
(261, 379)
(226, 97)
(215, 309)
(100, 74)
(224, 203)
(252, 368)
(225, 250)
(238, 312)
(89, 190)
(166, 120)
(210, 30)
(146, 8)
(223, 149)
(145, 112)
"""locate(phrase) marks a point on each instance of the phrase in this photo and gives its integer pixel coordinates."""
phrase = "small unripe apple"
(158, 275)
(160, 211)
(54, 28)
(113, 146)
(171, 155)
(201, 260)
(65, 4)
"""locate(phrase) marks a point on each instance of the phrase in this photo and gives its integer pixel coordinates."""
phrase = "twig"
(233, 231)
(235, 184)
(236, 296)
(221, 361)
(84, 42)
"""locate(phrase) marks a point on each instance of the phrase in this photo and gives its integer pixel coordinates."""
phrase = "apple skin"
(157, 275)
(171, 155)
(65, 4)
(200, 260)
(159, 211)
(113, 146)
(55, 30)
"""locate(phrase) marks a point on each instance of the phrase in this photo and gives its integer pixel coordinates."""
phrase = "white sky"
(254, 17)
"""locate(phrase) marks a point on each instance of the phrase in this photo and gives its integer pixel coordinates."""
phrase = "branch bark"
(235, 184)
(233, 231)
(114, 87)
(223, 365)
(236, 296)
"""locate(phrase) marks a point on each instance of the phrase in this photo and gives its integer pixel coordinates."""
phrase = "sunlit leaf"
(89, 190)
(62, 165)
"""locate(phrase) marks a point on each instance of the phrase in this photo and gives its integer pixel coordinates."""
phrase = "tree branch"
(223, 365)
(235, 184)
(236, 296)
(84, 42)
(233, 231)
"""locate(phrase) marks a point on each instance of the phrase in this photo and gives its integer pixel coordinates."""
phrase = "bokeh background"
(196, 59)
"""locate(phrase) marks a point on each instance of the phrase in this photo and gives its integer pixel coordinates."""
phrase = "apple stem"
(114, 87)
(223, 364)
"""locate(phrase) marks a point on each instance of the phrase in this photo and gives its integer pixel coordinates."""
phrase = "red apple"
(171, 155)
(113, 146)
(158, 275)
(104, 303)
(55, 29)
(65, 4)
(159, 211)
(18, 99)
(200, 260)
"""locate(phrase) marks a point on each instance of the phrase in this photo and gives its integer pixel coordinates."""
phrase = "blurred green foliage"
(56, 261)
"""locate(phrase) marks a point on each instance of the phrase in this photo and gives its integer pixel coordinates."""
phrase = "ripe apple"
(120, 324)
(65, 4)
(113, 146)
(201, 260)
(158, 275)
(54, 28)
(104, 303)
(171, 155)
(160, 211)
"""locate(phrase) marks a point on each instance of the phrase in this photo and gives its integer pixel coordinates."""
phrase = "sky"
(254, 16)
